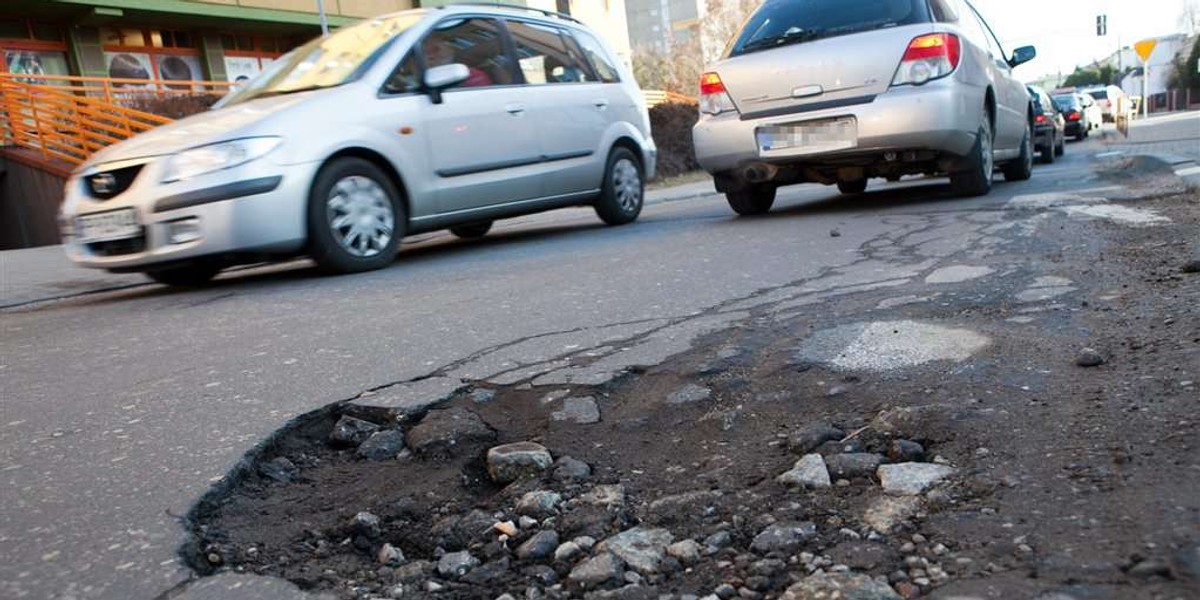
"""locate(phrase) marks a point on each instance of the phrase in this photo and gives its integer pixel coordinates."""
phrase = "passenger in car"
(440, 52)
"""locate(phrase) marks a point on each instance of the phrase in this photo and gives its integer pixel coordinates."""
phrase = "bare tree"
(1189, 18)
(721, 21)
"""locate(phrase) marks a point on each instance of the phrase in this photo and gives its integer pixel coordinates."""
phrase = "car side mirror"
(444, 76)
(1022, 55)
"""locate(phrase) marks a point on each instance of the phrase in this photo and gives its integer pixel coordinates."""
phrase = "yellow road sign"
(1145, 48)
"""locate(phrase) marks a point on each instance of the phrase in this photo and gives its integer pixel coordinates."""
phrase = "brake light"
(714, 99)
(1040, 119)
(1073, 116)
(928, 57)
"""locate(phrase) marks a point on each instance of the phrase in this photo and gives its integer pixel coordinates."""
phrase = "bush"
(173, 106)
(671, 124)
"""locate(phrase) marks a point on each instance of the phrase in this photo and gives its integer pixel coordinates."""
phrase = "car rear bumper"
(942, 116)
(256, 208)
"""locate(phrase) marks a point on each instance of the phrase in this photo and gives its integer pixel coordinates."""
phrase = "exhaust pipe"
(759, 172)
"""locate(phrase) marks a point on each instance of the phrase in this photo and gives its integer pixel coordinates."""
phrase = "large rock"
(783, 537)
(900, 451)
(853, 466)
(597, 570)
(806, 439)
(539, 504)
(930, 422)
(571, 469)
(448, 431)
(911, 478)
(541, 545)
(522, 460)
(888, 511)
(453, 565)
(349, 431)
(840, 586)
(382, 445)
(642, 550)
(578, 410)
(808, 472)
(687, 552)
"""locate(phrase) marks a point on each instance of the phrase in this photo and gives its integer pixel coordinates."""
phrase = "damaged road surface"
(893, 395)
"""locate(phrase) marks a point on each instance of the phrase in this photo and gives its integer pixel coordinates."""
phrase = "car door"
(567, 103)
(482, 138)
(1012, 99)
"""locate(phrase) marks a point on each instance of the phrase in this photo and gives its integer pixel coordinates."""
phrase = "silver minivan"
(445, 118)
(840, 91)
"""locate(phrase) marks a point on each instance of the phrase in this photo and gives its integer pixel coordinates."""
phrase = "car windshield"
(327, 61)
(1066, 102)
(784, 22)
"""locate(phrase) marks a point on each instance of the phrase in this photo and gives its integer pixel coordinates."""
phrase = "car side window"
(943, 11)
(474, 42)
(543, 55)
(406, 78)
(606, 70)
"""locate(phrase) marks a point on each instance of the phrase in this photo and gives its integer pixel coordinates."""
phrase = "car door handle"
(600, 104)
(515, 109)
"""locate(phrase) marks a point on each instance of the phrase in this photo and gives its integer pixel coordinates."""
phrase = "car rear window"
(1098, 94)
(784, 22)
(1066, 102)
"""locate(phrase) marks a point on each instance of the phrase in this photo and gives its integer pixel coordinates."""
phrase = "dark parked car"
(1080, 113)
(1049, 127)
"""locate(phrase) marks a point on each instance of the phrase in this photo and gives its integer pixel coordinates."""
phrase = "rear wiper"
(792, 36)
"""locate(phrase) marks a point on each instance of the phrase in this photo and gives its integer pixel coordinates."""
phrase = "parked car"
(918, 86)
(415, 121)
(1080, 112)
(1049, 126)
(1113, 101)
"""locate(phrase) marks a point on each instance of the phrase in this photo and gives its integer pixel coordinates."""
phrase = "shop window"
(112, 36)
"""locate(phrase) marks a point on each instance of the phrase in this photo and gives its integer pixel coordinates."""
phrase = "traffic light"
(1101, 25)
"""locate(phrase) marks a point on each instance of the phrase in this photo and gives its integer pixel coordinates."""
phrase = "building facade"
(657, 24)
(210, 40)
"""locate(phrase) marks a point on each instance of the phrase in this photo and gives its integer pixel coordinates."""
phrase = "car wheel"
(191, 275)
(752, 200)
(856, 186)
(976, 178)
(1022, 168)
(355, 218)
(1046, 153)
(1061, 148)
(472, 231)
(623, 188)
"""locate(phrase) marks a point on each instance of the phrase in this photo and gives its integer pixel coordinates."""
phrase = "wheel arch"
(384, 165)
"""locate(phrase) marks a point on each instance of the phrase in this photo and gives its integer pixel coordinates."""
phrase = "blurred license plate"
(824, 135)
(115, 225)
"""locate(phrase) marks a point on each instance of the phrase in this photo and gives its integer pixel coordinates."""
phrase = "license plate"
(108, 226)
(809, 137)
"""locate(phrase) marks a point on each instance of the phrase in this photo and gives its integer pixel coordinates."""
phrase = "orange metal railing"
(68, 118)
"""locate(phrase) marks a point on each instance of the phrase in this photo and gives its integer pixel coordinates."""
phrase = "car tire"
(1022, 168)
(623, 190)
(856, 186)
(1061, 148)
(976, 179)
(472, 231)
(355, 217)
(186, 276)
(752, 200)
(1046, 154)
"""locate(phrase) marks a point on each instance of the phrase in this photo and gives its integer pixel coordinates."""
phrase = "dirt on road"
(1031, 433)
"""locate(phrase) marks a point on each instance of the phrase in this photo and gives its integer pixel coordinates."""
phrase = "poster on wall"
(173, 67)
(129, 65)
(26, 62)
(240, 69)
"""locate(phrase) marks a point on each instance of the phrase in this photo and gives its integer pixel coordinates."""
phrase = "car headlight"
(214, 157)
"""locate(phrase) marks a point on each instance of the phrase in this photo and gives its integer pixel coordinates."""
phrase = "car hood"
(196, 130)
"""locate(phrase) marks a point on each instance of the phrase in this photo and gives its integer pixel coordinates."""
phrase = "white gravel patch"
(958, 274)
(1118, 214)
(888, 345)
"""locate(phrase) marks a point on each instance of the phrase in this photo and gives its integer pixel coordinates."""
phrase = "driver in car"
(440, 52)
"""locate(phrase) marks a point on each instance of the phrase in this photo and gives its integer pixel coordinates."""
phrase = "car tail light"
(1040, 119)
(714, 100)
(1073, 116)
(928, 57)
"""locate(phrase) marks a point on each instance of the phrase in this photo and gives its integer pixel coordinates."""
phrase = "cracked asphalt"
(122, 408)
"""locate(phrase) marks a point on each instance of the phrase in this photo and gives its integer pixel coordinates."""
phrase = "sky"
(1064, 31)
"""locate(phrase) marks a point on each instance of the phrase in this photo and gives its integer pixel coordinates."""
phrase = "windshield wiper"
(792, 36)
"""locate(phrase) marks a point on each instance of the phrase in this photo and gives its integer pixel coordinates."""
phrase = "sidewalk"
(40, 274)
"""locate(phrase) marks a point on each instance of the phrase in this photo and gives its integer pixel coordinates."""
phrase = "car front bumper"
(937, 116)
(258, 207)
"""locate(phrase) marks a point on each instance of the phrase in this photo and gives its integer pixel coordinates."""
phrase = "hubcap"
(360, 216)
(985, 147)
(627, 185)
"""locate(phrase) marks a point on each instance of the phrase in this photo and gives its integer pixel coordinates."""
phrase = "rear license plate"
(808, 137)
(108, 226)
